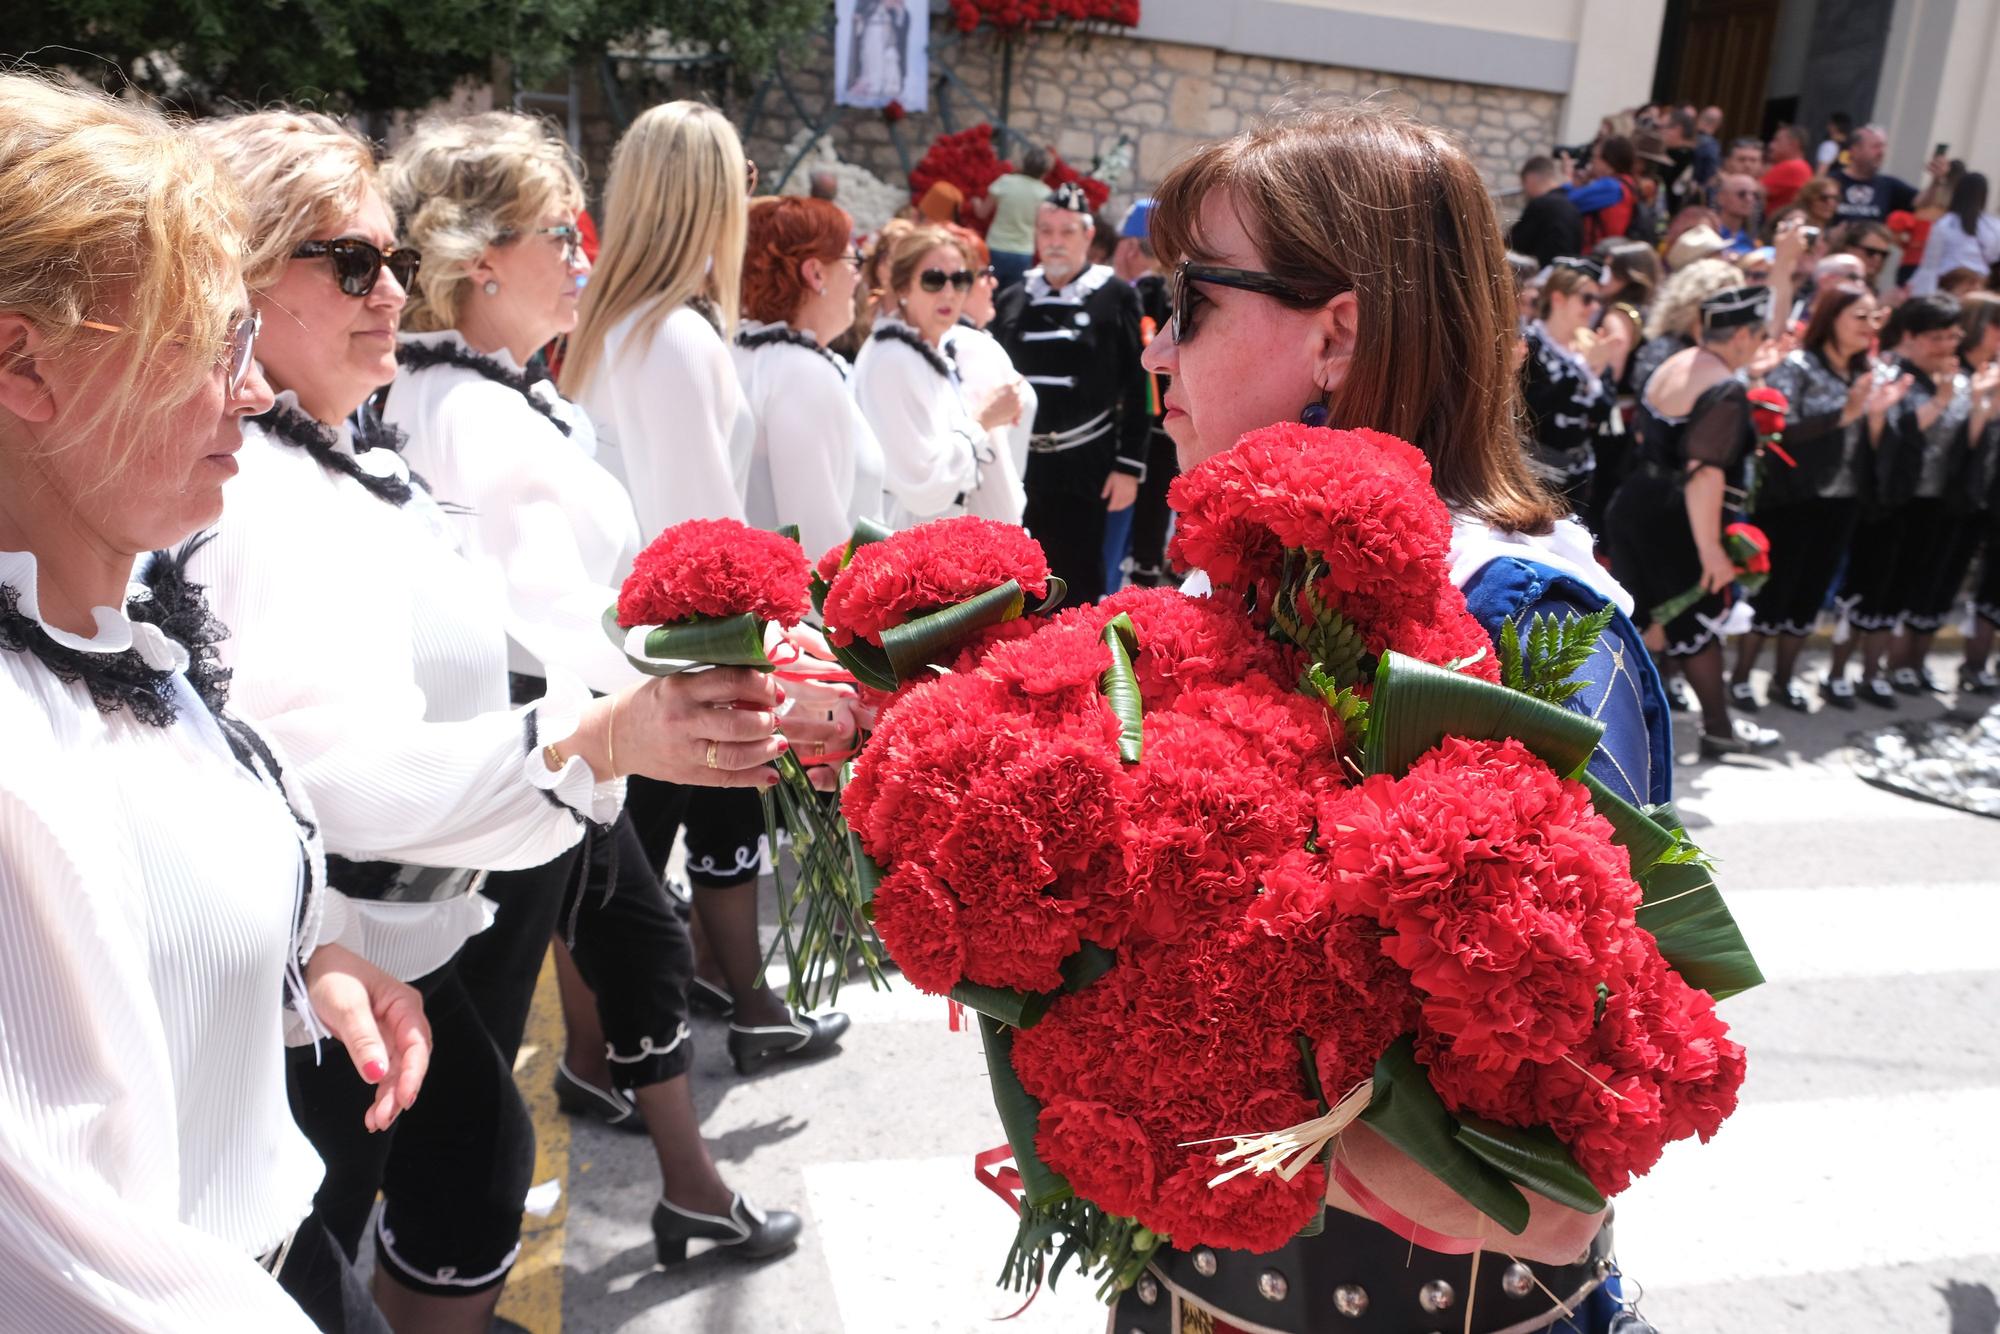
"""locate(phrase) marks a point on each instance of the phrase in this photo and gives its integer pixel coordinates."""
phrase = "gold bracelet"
(611, 740)
(552, 758)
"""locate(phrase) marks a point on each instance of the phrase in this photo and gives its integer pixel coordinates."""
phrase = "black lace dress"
(1646, 527)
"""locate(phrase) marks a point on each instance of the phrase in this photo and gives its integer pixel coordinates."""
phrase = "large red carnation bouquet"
(1223, 875)
(966, 159)
(716, 592)
(1013, 16)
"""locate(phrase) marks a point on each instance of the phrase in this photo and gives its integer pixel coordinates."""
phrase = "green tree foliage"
(377, 55)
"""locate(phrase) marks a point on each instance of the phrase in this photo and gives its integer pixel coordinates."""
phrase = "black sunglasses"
(1183, 294)
(933, 280)
(357, 264)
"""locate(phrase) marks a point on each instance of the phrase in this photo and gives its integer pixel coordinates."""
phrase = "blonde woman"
(1675, 317)
(378, 654)
(489, 199)
(159, 880)
(648, 361)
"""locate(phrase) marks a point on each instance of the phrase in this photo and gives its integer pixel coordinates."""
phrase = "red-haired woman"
(815, 462)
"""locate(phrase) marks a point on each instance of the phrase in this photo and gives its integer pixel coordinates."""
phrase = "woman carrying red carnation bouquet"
(1281, 244)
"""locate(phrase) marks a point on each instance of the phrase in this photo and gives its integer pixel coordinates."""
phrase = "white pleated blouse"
(930, 442)
(984, 366)
(671, 420)
(148, 890)
(530, 505)
(815, 462)
(376, 653)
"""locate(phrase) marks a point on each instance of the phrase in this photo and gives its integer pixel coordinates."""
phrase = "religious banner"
(881, 53)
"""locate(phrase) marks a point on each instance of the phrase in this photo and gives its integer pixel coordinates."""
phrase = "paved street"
(1853, 1192)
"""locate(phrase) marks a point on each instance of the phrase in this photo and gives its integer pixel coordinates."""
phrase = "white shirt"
(148, 887)
(984, 366)
(929, 441)
(375, 653)
(1948, 248)
(672, 423)
(530, 505)
(815, 463)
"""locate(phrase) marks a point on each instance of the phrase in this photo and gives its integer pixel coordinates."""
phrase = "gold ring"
(710, 761)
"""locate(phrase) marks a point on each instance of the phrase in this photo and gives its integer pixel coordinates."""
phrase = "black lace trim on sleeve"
(423, 356)
(298, 430)
(932, 358)
(781, 334)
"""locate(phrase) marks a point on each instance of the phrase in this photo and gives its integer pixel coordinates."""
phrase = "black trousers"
(1070, 528)
(725, 829)
(452, 1171)
(630, 943)
(1151, 517)
(319, 1278)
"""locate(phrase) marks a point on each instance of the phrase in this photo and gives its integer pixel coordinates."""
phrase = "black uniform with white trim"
(1079, 346)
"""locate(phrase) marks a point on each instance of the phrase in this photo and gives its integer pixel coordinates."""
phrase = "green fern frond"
(1554, 651)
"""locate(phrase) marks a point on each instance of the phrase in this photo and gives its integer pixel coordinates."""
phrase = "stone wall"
(1084, 94)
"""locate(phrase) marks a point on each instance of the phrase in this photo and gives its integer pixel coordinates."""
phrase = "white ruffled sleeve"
(315, 589)
(926, 450)
(90, 1230)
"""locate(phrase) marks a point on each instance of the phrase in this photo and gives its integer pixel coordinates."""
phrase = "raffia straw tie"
(1288, 1151)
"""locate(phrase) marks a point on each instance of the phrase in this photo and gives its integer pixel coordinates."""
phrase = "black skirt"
(1808, 539)
(1653, 554)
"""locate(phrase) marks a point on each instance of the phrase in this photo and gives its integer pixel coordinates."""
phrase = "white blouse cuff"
(558, 713)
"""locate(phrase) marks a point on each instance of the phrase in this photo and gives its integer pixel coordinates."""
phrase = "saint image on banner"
(881, 52)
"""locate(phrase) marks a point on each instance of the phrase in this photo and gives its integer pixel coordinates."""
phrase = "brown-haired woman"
(815, 462)
(908, 389)
(1809, 497)
(1564, 380)
(985, 369)
(1343, 265)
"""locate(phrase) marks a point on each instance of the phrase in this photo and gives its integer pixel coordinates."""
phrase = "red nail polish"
(373, 1071)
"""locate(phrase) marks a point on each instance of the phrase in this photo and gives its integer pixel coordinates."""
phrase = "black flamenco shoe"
(1744, 738)
(1679, 698)
(704, 997)
(614, 1109)
(1877, 691)
(1981, 682)
(746, 1232)
(1838, 691)
(807, 1035)
(1795, 698)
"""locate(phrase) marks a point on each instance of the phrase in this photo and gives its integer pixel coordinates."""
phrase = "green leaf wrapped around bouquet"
(1020, 1113)
(1417, 705)
(1405, 1110)
(725, 641)
(1024, 1009)
(865, 531)
(1682, 906)
(1121, 686)
(918, 643)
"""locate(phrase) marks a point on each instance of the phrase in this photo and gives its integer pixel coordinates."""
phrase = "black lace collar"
(415, 356)
(901, 333)
(781, 333)
(174, 605)
(295, 428)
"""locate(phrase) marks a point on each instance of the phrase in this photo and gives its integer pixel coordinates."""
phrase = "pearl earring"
(491, 288)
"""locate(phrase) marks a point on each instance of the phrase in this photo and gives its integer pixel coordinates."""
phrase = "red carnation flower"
(1106, 1155)
(927, 568)
(715, 567)
(1505, 894)
(913, 909)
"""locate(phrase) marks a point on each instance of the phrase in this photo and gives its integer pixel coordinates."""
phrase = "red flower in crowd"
(1768, 408)
(1748, 547)
(925, 569)
(893, 112)
(715, 567)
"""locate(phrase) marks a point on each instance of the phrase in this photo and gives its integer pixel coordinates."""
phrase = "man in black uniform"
(1072, 329)
(1135, 262)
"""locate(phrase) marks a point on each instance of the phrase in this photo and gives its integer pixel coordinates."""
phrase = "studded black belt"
(1356, 1278)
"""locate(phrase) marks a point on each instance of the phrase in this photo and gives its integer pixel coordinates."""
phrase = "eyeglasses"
(858, 258)
(358, 264)
(566, 232)
(1183, 294)
(1879, 252)
(933, 280)
(238, 352)
(1590, 298)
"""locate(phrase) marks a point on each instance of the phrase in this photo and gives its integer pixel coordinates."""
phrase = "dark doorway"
(1718, 53)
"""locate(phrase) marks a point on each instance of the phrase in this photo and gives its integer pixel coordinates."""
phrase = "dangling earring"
(491, 288)
(1314, 414)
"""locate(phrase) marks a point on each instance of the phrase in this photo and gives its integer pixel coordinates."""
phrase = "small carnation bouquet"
(1222, 876)
(1748, 549)
(719, 593)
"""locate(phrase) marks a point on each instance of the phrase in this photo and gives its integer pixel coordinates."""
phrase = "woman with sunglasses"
(1563, 382)
(161, 884)
(488, 199)
(908, 389)
(984, 371)
(378, 654)
(1343, 266)
(815, 464)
